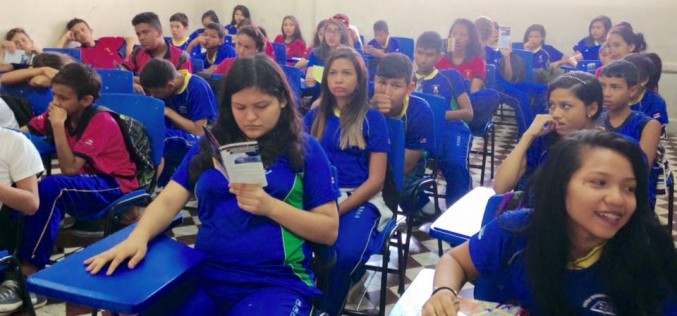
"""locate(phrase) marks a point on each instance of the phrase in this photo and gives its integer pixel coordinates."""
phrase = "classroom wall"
(566, 22)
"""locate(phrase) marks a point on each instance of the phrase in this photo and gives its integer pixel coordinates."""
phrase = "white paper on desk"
(17, 57)
(503, 37)
(465, 216)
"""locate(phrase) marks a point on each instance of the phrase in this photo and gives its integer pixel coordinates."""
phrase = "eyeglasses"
(332, 31)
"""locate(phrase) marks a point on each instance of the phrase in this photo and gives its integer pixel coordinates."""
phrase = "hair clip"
(575, 78)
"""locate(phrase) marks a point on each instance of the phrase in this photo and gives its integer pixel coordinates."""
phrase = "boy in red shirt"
(105, 53)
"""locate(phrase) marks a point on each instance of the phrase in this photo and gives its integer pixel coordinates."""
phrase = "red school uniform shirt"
(296, 49)
(105, 54)
(140, 57)
(474, 68)
(99, 141)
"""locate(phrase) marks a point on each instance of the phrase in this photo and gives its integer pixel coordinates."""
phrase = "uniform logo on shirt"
(183, 109)
(599, 304)
(89, 142)
(436, 89)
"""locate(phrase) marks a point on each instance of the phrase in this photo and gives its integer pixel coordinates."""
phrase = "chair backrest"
(198, 64)
(39, 98)
(439, 107)
(280, 53)
(293, 75)
(490, 81)
(396, 152)
(528, 58)
(518, 45)
(406, 46)
(74, 53)
(148, 111)
(116, 81)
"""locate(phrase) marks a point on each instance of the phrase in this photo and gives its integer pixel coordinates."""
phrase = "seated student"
(208, 17)
(215, 50)
(40, 73)
(296, 208)
(18, 39)
(291, 37)
(466, 54)
(622, 40)
(574, 103)
(588, 247)
(457, 138)
(382, 43)
(655, 76)
(178, 24)
(643, 99)
(355, 39)
(545, 56)
(318, 37)
(96, 165)
(588, 47)
(189, 105)
(335, 35)
(355, 139)
(149, 30)
(20, 165)
(392, 97)
(240, 13)
(248, 42)
(104, 52)
(620, 80)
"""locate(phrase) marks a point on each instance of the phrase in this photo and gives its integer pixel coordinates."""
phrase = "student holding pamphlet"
(590, 246)
(257, 239)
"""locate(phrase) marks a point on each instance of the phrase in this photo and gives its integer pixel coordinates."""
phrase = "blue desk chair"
(406, 46)
(39, 98)
(482, 124)
(394, 228)
(589, 66)
(294, 78)
(166, 265)
(198, 64)
(280, 53)
(74, 53)
(116, 81)
(518, 45)
(528, 58)
(149, 112)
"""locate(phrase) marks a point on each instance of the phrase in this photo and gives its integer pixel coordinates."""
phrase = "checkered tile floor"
(423, 250)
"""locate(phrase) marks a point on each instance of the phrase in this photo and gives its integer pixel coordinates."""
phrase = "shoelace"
(7, 290)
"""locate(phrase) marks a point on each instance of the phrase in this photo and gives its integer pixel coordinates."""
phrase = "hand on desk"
(442, 303)
(130, 248)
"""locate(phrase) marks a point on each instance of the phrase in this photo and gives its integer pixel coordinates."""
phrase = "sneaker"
(37, 300)
(88, 229)
(357, 291)
(10, 300)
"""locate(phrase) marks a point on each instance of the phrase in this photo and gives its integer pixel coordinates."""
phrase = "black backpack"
(22, 109)
(139, 146)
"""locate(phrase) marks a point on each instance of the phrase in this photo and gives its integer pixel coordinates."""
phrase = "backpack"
(22, 109)
(139, 146)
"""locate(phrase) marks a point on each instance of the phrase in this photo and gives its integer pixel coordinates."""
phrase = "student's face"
(342, 78)
(212, 39)
(256, 113)
(149, 38)
(245, 46)
(238, 16)
(396, 88)
(21, 41)
(207, 21)
(535, 39)
(82, 33)
(289, 27)
(597, 31)
(618, 47)
(66, 98)
(600, 197)
(616, 92)
(569, 112)
(381, 37)
(460, 34)
(161, 93)
(332, 35)
(178, 30)
(425, 59)
(604, 55)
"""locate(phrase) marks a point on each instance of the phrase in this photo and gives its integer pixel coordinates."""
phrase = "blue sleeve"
(195, 34)
(202, 101)
(225, 51)
(457, 82)
(313, 60)
(554, 53)
(581, 45)
(420, 135)
(319, 185)
(377, 138)
(373, 43)
(496, 242)
(658, 108)
(181, 175)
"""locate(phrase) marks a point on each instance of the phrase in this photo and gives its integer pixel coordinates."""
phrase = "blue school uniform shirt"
(497, 252)
(314, 60)
(245, 250)
(590, 51)
(224, 52)
(418, 124)
(448, 84)
(194, 101)
(231, 29)
(653, 106)
(554, 53)
(391, 46)
(541, 59)
(352, 163)
(536, 156)
(492, 56)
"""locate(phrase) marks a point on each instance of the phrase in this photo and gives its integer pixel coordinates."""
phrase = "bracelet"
(445, 288)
